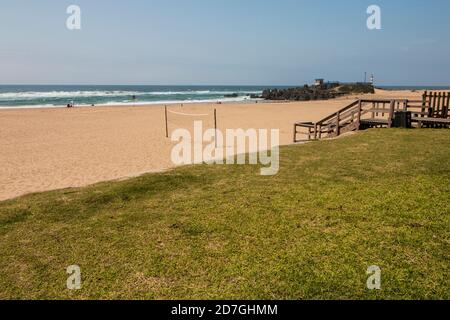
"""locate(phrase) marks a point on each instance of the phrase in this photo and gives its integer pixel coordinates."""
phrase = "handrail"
(383, 100)
(376, 100)
(340, 111)
(349, 117)
(414, 101)
(355, 103)
(352, 113)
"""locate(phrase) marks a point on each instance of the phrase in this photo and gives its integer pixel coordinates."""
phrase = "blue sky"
(224, 42)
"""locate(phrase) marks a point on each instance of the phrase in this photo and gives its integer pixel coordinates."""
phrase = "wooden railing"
(435, 104)
(366, 113)
(431, 111)
(333, 125)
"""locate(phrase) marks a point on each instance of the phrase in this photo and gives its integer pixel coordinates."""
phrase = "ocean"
(41, 96)
(83, 95)
(417, 88)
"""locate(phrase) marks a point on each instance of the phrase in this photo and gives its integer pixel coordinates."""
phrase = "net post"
(167, 126)
(215, 126)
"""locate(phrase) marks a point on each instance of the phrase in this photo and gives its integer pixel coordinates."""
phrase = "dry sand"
(46, 149)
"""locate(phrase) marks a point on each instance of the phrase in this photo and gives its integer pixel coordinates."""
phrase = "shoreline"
(223, 100)
(137, 104)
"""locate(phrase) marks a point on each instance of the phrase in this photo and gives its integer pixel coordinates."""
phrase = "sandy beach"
(55, 148)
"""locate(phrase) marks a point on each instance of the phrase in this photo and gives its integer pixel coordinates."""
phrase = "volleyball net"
(178, 119)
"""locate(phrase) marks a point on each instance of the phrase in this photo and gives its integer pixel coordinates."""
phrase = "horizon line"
(217, 85)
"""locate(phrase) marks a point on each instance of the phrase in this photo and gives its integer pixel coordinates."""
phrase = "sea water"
(50, 96)
(41, 96)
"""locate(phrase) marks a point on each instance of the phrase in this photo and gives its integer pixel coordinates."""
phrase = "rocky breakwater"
(324, 92)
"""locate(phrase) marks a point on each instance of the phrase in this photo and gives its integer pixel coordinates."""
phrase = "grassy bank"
(380, 197)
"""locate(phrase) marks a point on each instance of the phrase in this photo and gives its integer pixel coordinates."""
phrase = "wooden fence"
(431, 111)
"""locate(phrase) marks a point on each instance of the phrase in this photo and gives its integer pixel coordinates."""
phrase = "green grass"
(380, 197)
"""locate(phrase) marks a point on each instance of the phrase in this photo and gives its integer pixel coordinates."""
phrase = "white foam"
(189, 101)
(11, 96)
(41, 106)
(137, 103)
(63, 94)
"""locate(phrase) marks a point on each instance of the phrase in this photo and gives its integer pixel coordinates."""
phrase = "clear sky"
(260, 42)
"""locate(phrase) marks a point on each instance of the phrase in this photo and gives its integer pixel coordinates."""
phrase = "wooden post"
(447, 105)
(359, 113)
(167, 125)
(215, 126)
(295, 133)
(438, 106)
(430, 110)
(424, 105)
(391, 114)
(338, 120)
(433, 105)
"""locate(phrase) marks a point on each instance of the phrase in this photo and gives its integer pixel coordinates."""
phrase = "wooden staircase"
(432, 111)
(359, 114)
